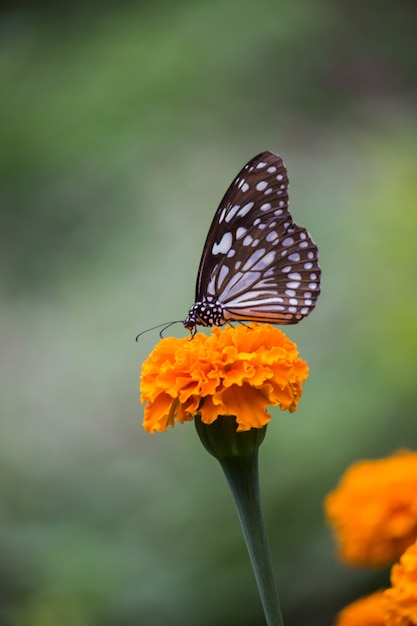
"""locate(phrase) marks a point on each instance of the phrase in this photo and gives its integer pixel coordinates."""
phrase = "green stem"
(243, 478)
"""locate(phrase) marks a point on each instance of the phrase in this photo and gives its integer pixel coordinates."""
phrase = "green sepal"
(222, 439)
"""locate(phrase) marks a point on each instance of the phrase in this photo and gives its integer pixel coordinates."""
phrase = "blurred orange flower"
(233, 371)
(367, 611)
(401, 597)
(373, 510)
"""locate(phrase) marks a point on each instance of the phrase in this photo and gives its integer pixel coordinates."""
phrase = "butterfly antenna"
(165, 325)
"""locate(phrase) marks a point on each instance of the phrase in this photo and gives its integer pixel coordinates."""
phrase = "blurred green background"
(121, 126)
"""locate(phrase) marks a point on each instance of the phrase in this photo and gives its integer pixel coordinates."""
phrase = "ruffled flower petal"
(367, 611)
(373, 510)
(233, 371)
(401, 597)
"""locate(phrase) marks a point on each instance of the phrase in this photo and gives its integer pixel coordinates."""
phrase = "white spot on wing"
(240, 283)
(262, 303)
(261, 185)
(245, 209)
(254, 257)
(211, 285)
(224, 270)
(264, 261)
(224, 244)
(232, 212)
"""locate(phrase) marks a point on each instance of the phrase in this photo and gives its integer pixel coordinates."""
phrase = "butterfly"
(257, 263)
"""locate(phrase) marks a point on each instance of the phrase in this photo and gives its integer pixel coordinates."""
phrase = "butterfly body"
(257, 263)
(205, 313)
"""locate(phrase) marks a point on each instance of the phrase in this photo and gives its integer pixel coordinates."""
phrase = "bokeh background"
(121, 126)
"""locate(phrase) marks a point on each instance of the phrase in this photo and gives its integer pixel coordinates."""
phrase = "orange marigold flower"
(233, 371)
(401, 597)
(373, 510)
(367, 611)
